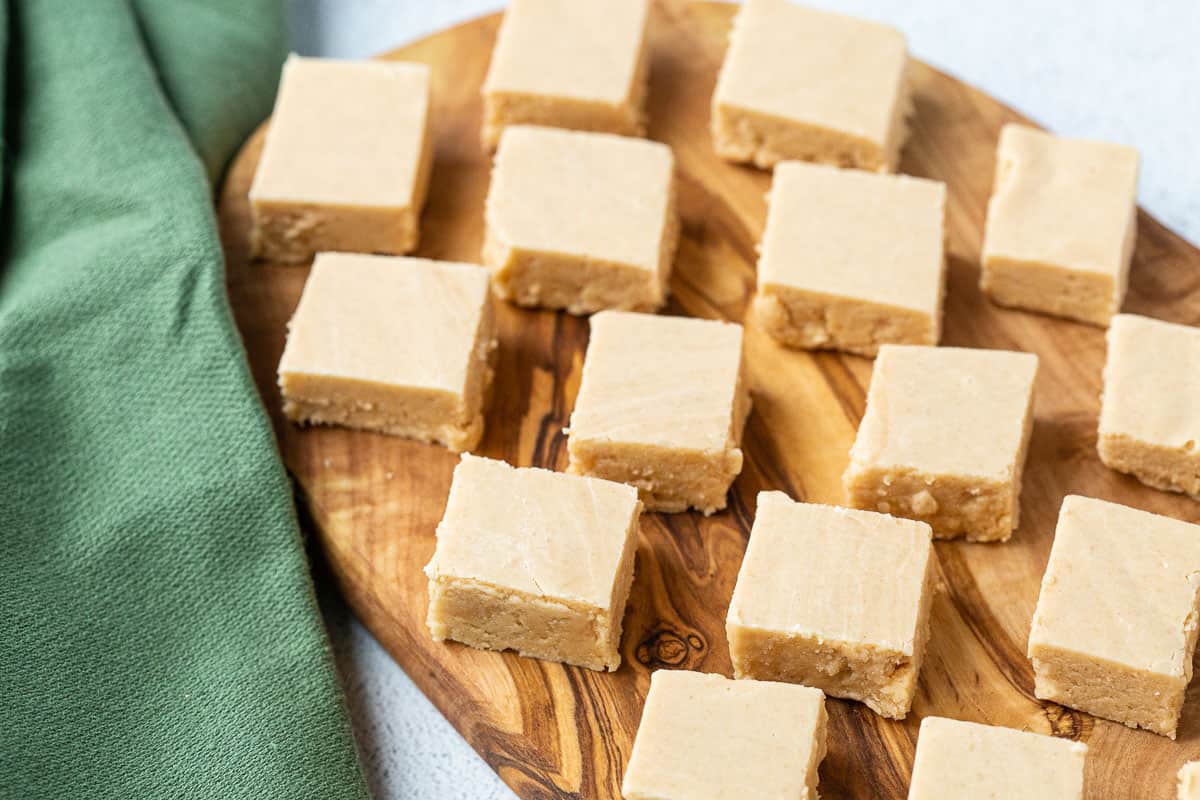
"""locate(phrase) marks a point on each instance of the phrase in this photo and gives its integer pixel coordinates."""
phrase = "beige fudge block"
(1188, 781)
(969, 760)
(397, 345)
(1061, 225)
(568, 64)
(851, 260)
(809, 85)
(1150, 408)
(705, 737)
(1115, 625)
(661, 406)
(943, 439)
(581, 221)
(859, 627)
(346, 161)
(534, 561)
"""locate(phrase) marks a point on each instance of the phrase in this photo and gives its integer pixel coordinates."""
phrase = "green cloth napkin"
(158, 631)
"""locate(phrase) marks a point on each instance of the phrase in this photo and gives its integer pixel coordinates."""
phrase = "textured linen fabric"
(158, 631)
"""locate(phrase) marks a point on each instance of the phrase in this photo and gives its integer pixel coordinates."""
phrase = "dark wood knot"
(666, 648)
(1066, 723)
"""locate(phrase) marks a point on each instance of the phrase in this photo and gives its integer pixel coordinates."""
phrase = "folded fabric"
(158, 631)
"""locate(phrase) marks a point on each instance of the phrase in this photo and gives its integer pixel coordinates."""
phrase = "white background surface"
(1122, 70)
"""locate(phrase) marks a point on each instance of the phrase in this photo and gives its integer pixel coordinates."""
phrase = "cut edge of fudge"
(425, 414)
(810, 320)
(581, 284)
(293, 230)
(1187, 781)
(502, 107)
(705, 475)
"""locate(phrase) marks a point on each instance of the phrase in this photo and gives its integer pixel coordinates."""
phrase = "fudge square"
(943, 439)
(966, 759)
(1150, 407)
(1061, 225)
(661, 406)
(346, 161)
(391, 344)
(858, 629)
(534, 561)
(705, 737)
(581, 221)
(810, 85)
(1115, 624)
(1188, 781)
(568, 64)
(851, 260)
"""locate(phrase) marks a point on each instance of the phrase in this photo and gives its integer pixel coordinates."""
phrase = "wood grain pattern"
(554, 731)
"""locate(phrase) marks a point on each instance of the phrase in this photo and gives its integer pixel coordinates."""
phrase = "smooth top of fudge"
(946, 410)
(1062, 202)
(389, 320)
(817, 67)
(667, 381)
(1152, 381)
(966, 759)
(833, 573)
(594, 195)
(1119, 585)
(345, 132)
(532, 530)
(569, 48)
(849, 233)
(1189, 781)
(705, 737)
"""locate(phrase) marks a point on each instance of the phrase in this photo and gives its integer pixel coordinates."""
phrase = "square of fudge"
(943, 439)
(851, 260)
(705, 737)
(967, 759)
(1188, 781)
(1150, 407)
(568, 64)
(581, 221)
(1115, 625)
(808, 85)
(1061, 225)
(391, 344)
(346, 161)
(661, 406)
(534, 561)
(859, 628)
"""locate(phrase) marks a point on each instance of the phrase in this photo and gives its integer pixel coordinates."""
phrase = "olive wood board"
(555, 731)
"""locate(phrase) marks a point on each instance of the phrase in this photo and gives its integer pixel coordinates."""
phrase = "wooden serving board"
(555, 731)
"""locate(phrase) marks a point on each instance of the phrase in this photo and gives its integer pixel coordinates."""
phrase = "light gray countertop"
(1104, 69)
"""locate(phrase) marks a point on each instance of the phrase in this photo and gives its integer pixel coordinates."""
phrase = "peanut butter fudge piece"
(969, 760)
(809, 85)
(705, 737)
(581, 221)
(397, 345)
(534, 561)
(1061, 225)
(1188, 781)
(1150, 409)
(661, 406)
(568, 64)
(858, 629)
(943, 439)
(851, 260)
(1115, 625)
(346, 161)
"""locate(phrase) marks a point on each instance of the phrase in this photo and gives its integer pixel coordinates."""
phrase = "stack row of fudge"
(851, 259)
